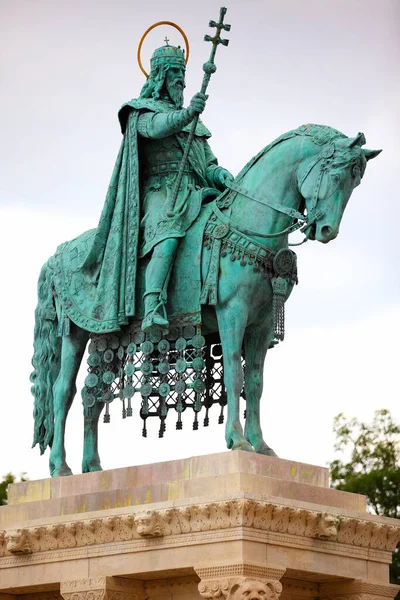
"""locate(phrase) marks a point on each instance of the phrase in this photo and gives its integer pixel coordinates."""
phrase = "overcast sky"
(65, 69)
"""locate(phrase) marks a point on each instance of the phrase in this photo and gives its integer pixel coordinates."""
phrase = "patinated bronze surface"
(186, 276)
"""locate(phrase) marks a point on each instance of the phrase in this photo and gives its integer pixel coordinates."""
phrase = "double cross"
(209, 68)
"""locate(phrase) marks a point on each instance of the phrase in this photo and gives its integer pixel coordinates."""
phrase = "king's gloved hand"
(197, 104)
(224, 176)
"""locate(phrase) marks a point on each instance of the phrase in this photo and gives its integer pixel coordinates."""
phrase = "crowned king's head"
(167, 75)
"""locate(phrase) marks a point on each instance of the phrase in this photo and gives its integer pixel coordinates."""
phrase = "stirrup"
(153, 320)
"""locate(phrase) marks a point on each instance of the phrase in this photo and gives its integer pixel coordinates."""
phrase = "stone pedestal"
(233, 525)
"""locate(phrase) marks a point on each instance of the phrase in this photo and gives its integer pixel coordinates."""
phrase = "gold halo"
(148, 31)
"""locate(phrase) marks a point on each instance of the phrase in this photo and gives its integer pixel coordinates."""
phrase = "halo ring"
(153, 27)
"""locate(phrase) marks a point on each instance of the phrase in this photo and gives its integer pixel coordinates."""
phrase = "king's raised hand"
(197, 104)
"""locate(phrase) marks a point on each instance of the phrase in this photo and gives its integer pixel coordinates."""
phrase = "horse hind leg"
(91, 458)
(64, 390)
(256, 343)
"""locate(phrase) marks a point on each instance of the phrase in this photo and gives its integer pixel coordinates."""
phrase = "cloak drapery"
(95, 274)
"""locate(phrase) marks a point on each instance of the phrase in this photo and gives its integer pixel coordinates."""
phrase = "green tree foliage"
(372, 467)
(5, 482)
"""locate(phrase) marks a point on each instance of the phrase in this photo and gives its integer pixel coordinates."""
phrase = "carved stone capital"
(357, 590)
(235, 581)
(103, 588)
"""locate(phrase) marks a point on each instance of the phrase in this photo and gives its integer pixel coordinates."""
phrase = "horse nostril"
(325, 231)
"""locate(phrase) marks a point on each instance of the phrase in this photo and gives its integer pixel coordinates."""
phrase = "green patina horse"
(303, 179)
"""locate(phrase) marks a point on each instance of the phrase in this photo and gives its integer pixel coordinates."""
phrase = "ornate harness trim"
(222, 239)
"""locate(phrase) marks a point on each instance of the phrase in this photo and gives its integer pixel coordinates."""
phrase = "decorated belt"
(165, 168)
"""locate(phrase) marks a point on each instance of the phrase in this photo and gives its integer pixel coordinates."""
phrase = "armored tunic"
(159, 161)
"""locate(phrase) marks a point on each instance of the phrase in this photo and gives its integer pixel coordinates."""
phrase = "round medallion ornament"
(107, 397)
(155, 336)
(284, 262)
(101, 344)
(163, 368)
(180, 344)
(139, 337)
(108, 377)
(180, 365)
(147, 347)
(88, 400)
(94, 359)
(220, 231)
(146, 389)
(125, 339)
(188, 331)
(163, 346)
(198, 341)
(114, 342)
(164, 389)
(180, 387)
(108, 356)
(129, 369)
(146, 367)
(131, 349)
(199, 386)
(198, 364)
(121, 352)
(91, 380)
(129, 390)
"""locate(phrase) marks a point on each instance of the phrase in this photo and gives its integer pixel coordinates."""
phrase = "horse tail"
(45, 361)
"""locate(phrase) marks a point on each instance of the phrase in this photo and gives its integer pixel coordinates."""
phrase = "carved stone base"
(233, 526)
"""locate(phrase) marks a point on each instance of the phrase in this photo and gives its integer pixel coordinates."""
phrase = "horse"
(304, 179)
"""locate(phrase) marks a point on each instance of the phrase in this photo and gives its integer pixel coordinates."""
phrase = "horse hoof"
(64, 471)
(243, 445)
(266, 450)
(91, 468)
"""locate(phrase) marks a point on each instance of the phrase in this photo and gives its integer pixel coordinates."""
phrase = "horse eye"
(356, 171)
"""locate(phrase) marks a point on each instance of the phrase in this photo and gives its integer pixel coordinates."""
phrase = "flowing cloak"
(95, 274)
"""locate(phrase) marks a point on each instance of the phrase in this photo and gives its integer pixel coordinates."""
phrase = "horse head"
(326, 181)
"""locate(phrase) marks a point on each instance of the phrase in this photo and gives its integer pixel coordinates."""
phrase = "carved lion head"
(18, 542)
(252, 590)
(148, 523)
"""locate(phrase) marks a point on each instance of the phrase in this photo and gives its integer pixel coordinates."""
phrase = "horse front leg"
(91, 458)
(64, 390)
(256, 343)
(232, 319)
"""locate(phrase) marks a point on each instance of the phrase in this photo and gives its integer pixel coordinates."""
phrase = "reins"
(303, 222)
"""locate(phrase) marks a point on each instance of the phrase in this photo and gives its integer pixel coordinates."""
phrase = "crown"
(168, 55)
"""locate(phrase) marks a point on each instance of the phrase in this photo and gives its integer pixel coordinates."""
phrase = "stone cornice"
(148, 524)
(357, 589)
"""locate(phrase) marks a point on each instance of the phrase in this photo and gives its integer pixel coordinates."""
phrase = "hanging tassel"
(280, 290)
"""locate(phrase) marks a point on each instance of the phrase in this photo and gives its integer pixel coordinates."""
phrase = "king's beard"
(175, 92)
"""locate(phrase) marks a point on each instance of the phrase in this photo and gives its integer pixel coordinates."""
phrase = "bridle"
(304, 222)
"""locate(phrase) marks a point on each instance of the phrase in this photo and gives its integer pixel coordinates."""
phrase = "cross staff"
(209, 68)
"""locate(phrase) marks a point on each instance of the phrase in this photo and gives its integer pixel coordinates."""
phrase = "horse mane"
(318, 134)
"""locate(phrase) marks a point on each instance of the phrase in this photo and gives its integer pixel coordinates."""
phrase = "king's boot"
(157, 277)
(153, 319)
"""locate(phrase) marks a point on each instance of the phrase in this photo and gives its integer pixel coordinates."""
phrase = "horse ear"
(359, 140)
(370, 153)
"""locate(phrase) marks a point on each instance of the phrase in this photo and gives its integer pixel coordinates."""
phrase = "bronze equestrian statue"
(185, 259)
